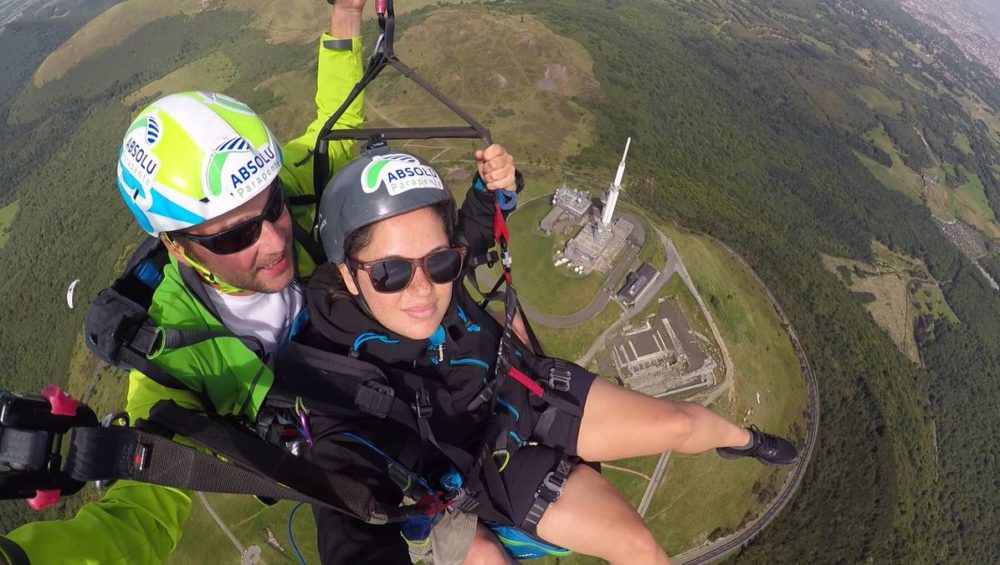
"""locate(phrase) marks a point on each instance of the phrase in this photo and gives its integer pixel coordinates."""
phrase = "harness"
(119, 331)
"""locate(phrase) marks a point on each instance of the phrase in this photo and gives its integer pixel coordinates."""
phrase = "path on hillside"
(222, 525)
(656, 479)
(724, 546)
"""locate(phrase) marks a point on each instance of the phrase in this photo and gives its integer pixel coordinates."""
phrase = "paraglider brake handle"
(31, 432)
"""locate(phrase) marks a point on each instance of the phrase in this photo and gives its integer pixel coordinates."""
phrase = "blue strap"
(369, 336)
(507, 199)
(510, 408)
(419, 480)
(473, 328)
(470, 361)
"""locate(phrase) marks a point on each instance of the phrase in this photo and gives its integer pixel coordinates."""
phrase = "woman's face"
(416, 311)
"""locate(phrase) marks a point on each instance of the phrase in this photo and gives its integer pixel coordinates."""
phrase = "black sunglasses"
(243, 234)
(395, 274)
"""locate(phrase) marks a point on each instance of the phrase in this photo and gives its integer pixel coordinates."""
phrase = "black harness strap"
(312, 246)
(548, 493)
(253, 467)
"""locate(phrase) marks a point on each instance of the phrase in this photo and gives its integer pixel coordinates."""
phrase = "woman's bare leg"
(619, 423)
(593, 518)
(486, 550)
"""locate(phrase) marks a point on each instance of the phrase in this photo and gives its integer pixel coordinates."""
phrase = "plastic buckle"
(146, 340)
(422, 405)
(375, 398)
(554, 482)
(461, 499)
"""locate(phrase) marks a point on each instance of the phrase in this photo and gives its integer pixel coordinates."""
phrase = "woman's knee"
(639, 546)
(485, 549)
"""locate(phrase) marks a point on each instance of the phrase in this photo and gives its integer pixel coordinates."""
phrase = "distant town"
(971, 24)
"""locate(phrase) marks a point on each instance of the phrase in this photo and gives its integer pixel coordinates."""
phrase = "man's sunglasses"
(394, 275)
(243, 234)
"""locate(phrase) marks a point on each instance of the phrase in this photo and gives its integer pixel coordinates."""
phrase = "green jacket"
(136, 523)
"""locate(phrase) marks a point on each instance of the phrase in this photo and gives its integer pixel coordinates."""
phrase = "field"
(7, 215)
(897, 177)
(572, 343)
(214, 73)
(535, 272)
(966, 202)
(532, 102)
(765, 364)
(282, 22)
(876, 100)
(205, 542)
(895, 290)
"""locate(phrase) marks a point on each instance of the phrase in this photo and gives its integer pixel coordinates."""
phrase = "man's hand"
(345, 22)
(496, 167)
(355, 5)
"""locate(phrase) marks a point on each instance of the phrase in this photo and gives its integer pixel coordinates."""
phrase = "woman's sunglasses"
(243, 234)
(394, 275)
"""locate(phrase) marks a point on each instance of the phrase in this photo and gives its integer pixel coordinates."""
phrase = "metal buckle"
(555, 482)
(559, 377)
(375, 398)
(461, 499)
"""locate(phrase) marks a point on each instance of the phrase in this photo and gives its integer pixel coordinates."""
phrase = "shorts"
(449, 542)
(550, 426)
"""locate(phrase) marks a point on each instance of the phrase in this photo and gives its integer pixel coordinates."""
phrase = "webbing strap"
(548, 493)
(142, 364)
(127, 453)
(175, 339)
(15, 555)
(253, 467)
(309, 243)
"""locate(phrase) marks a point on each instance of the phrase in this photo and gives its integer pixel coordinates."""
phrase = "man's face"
(264, 266)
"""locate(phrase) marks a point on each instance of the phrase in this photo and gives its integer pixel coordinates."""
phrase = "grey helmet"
(377, 185)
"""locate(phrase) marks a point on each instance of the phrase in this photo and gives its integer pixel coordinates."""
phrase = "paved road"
(221, 523)
(658, 472)
(722, 547)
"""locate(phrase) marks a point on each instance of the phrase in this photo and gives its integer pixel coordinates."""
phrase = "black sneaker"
(770, 450)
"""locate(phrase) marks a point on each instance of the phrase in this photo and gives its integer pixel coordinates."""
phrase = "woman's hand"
(496, 167)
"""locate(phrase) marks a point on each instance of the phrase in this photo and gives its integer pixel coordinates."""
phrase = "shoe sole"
(762, 461)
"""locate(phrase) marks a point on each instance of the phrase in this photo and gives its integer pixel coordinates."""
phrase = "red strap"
(500, 232)
(526, 382)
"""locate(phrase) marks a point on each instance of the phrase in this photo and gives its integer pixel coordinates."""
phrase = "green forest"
(750, 116)
(747, 135)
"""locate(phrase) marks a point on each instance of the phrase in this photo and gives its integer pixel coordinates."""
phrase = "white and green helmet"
(193, 156)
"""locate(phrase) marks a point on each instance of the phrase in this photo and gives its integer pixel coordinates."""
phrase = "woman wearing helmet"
(388, 296)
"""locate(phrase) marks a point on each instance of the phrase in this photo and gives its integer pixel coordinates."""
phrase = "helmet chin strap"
(220, 285)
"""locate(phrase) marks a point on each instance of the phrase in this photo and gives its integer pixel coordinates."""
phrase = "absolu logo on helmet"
(399, 173)
(236, 167)
(141, 138)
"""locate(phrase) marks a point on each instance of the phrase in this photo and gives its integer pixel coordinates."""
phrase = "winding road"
(635, 242)
(718, 549)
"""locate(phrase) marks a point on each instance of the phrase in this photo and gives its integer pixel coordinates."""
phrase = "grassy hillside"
(747, 131)
(748, 120)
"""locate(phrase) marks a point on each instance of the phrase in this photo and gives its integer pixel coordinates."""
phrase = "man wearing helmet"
(202, 172)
